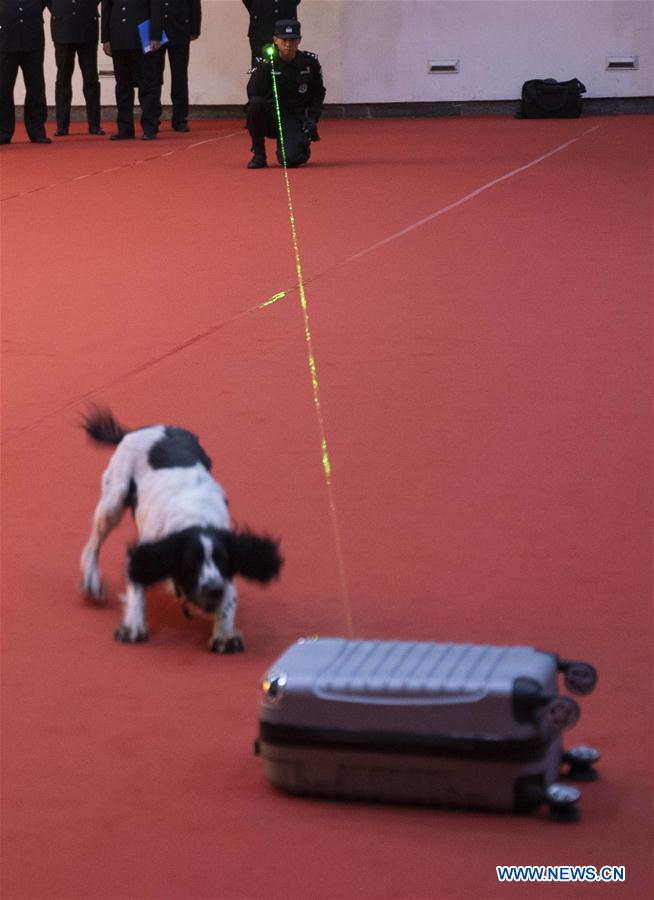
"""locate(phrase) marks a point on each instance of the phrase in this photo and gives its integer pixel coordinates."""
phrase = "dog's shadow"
(166, 620)
(169, 627)
(169, 624)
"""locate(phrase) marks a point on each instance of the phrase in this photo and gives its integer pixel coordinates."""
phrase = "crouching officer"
(22, 45)
(75, 32)
(301, 95)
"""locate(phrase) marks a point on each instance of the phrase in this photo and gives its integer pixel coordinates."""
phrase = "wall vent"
(621, 63)
(443, 66)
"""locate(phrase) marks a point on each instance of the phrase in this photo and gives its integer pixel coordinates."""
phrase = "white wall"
(378, 50)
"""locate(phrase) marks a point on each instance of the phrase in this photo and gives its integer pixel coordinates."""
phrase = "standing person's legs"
(87, 55)
(65, 60)
(178, 57)
(8, 75)
(36, 109)
(148, 69)
(124, 70)
(255, 50)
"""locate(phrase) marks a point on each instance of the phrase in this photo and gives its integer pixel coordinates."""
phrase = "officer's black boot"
(258, 161)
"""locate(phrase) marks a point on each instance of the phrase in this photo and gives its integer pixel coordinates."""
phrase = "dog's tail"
(101, 426)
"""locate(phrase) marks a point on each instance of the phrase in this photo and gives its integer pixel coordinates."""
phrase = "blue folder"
(144, 34)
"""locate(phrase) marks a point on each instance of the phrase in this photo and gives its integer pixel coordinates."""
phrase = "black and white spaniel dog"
(184, 535)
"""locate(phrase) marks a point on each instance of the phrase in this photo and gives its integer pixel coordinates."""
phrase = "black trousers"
(255, 48)
(87, 55)
(133, 68)
(30, 62)
(178, 58)
(262, 123)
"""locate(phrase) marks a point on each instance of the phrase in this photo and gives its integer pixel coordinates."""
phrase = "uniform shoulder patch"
(309, 53)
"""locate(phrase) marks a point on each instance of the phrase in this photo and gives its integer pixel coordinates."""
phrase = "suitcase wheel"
(579, 677)
(581, 760)
(562, 800)
(561, 713)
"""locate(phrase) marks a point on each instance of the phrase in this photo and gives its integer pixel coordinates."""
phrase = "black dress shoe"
(181, 127)
(121, 137)
(148, 137)
(98, 130)
(258, 161)
(61, 132)
(41, 140)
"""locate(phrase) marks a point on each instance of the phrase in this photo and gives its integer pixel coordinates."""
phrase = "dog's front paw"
(233, 644)
(93, 586)
(127, 634)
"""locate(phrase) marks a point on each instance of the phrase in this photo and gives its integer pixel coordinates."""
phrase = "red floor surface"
(485, 387)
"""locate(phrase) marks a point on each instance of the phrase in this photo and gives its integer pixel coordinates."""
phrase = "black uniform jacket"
(299, 84)
(74, 21)
(181, 20)
(21, 25)
(121, 18)
(264, 14)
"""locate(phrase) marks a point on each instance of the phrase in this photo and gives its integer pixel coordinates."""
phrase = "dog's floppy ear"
(153, 561)
(253, 556)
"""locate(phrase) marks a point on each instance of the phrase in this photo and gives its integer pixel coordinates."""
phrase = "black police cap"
(287, 28)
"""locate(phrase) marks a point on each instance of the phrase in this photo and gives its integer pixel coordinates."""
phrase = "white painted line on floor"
(471, 196)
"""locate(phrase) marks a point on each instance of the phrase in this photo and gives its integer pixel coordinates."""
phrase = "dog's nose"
(212, 598)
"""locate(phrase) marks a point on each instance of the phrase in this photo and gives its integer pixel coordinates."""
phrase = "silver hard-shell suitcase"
(459, 725)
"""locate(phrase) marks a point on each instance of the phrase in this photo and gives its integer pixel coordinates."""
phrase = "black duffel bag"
(550, 99)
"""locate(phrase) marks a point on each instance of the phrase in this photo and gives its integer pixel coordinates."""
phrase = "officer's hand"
(106, 47)
(311, 130)
(154, 46)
